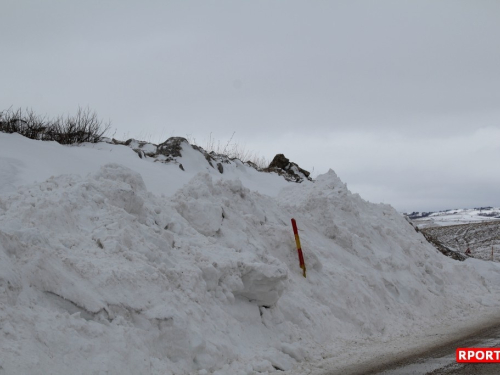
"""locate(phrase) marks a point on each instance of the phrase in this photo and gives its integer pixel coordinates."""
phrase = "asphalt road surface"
(441, 360)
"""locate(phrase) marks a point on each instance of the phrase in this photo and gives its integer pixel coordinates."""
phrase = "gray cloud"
(396, 82)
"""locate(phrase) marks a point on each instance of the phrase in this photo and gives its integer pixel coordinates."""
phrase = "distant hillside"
(454, 216)
(479, 237)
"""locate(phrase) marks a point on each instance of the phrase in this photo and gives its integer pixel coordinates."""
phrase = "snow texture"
(113, 264)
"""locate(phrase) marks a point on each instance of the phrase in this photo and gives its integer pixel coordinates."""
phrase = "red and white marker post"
(299, 249)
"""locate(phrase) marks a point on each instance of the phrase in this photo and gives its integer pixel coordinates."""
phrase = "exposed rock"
(208, 157)
(170, 150)
(142, 148)
(124, 143)
(279, 161)
(172, 147)
(289, 170)
(140, 153)
(253, 165)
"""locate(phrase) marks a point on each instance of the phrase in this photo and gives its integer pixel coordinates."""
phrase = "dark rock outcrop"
(143, 149)
(171, 147)
(170, 150)
(289, 170)
(220, 168)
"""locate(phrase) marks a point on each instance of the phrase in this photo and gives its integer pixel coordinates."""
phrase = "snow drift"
(133, 267)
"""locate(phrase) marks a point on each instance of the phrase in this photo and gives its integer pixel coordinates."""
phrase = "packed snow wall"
(99, 275)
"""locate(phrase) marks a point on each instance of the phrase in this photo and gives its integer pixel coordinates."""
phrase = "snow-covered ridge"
(171, 150)
(113, 263)
(455, 216)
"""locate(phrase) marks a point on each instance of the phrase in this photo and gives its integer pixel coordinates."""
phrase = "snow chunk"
(263, 284)
(196, 204)
(120, 173)
(126, 186)
(293, 350)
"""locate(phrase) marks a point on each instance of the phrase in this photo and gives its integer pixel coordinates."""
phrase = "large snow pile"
(132, 267)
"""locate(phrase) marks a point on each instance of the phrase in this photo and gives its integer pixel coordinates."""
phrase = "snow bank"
(101, 273)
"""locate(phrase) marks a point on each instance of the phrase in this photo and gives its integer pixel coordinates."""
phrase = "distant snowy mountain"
(455, 216)
(115, 260)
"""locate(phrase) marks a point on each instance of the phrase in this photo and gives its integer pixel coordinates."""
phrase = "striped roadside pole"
(299, 248)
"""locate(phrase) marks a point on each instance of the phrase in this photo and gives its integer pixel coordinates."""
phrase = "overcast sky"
(400, 98)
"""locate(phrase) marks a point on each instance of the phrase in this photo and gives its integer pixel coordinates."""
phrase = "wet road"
(432, 353)
(441, 360)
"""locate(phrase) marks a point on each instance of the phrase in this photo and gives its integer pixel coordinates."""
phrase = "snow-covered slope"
(481, 238)
(114, 264)
(455, 217)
